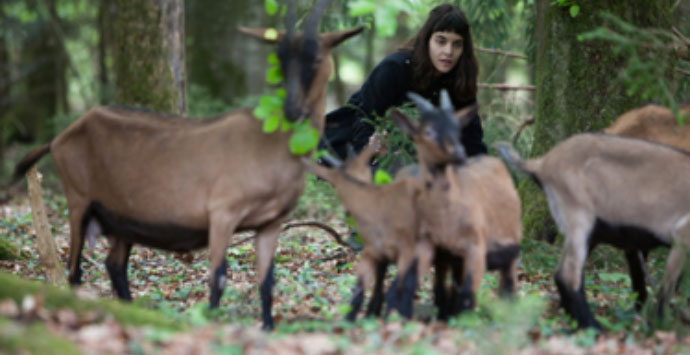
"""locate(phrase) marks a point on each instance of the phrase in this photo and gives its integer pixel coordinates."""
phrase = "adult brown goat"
(654, 123)
(622, 191)
(179, 184)
(469, 209)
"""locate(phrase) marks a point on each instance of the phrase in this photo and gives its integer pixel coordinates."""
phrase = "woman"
(440, 56)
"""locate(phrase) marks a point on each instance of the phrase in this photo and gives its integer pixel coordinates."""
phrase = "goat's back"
(470, 201)
(622, 180)
(385, 214)
(174, 170)
(655, 123)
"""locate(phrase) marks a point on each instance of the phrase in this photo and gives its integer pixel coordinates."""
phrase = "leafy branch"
(643, 49)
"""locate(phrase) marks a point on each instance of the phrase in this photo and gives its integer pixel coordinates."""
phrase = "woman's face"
(445, 49)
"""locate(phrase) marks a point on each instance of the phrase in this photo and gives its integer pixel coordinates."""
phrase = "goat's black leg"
(508, 282)
(116, 264)
(357, 300)
(456, 297)
(376, 302)
(575, 303)
(636, 267)
(440, 289)
(266, 244)
(392, 295)
(408, 288)
(218, 279)
(266, 293)
(462, 296)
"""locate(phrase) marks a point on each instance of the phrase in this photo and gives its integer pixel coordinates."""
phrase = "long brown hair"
(461, 81)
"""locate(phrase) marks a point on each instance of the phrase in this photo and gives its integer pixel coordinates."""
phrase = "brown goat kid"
(654, 123)
(470, 209)
(179, 184)
(387, 221)
(621, 191)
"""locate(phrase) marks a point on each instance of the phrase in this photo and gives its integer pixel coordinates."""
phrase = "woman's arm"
(472, 135)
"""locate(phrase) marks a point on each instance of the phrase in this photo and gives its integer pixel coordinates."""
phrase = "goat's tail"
(510, 156)
(28, 161)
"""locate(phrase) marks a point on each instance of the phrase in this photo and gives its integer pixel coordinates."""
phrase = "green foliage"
(384, 14)
(646, 69)
(572, 6)
(54, 297)
(32, 338)
(381, 177)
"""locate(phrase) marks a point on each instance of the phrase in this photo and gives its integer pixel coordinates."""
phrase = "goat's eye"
(430, 132)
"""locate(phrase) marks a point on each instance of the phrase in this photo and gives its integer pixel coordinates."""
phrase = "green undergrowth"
(32, 338)
(55, 297)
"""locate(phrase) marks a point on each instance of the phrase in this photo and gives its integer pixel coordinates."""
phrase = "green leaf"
(273, 59)
(271, 6)
(261, 112)
(274, 75)
(574, 10)
(285, 125)
(386, 22)
(271, 101)
(271, 34)
(304, 139)
(381, 177)
(361, 8)
(271, 123)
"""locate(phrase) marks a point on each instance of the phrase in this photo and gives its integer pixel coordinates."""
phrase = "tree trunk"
(42, 61)
(149, 54)
(221, 59)
(4, 95)
(577, 85)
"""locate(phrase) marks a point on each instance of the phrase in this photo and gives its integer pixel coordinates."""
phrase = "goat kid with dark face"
(587, 180)
(387, 220)
(180, 184)
(470, 209)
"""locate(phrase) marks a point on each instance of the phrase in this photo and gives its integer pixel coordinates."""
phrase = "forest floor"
(315, 279)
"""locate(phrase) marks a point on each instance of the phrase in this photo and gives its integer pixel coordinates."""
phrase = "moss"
(536, 219)
(144, 75)
(54, 297)
(8, 251)
(577, 83)
(16, 338)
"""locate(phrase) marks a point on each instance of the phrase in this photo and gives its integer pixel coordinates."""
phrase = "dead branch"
(47, 250)
(506, 87)
(686, 72)
(500, 52)
(325, 227)
(522, 126)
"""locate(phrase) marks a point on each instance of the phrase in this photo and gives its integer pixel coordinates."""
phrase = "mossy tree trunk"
(222, 60)
(577, 83)
(149, 54)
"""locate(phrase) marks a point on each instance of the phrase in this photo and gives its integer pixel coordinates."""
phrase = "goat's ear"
(269, 35)
(465, 115)
(403, 122)
(333, 39)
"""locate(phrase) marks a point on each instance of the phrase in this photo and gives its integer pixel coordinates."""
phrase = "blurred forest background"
(548, 69)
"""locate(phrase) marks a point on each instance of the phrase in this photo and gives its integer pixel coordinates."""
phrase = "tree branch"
(500, 52)
(683, 52)
(686, 72)
(506, 87)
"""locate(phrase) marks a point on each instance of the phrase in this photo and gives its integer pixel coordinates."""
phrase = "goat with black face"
(179, 184)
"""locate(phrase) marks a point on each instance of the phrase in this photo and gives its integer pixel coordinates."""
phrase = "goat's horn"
(446, 104)
(312, 22)
(290, 19)
(422, 104)
(332, 161)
